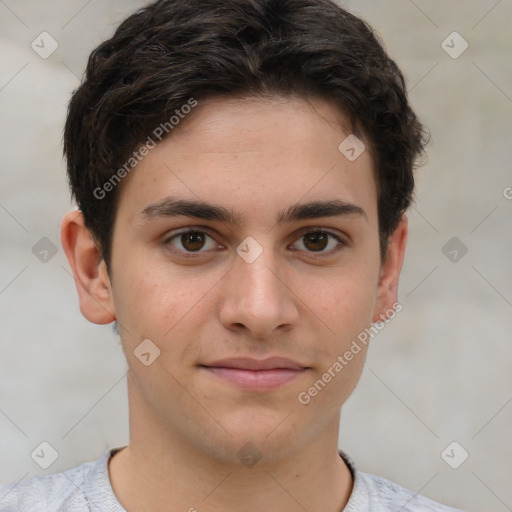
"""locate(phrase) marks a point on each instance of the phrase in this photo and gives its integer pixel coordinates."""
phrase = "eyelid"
(188, 229)
(342, 241)
(191, 229)
(316, 229)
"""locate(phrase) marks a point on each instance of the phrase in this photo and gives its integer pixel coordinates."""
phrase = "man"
(242, 170)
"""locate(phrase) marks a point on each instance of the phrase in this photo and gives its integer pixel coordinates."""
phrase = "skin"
(298, 300)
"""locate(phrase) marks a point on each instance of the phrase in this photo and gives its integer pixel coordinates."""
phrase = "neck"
(164, 473)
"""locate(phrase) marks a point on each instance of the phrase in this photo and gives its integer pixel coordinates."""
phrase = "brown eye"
(318, 240)
(192, 241)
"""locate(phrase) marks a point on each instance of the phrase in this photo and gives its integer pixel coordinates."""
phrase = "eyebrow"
(174, 207)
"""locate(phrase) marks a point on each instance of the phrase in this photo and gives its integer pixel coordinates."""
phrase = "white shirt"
(87, 488)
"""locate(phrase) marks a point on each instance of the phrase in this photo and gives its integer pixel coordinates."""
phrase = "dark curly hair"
(173, 50)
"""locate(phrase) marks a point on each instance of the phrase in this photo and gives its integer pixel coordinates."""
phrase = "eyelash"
(342, 243)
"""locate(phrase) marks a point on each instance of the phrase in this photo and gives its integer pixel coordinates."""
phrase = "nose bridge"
(255, 273)
(256, 295)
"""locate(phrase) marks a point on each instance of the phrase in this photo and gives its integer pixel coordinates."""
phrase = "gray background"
(439, 372)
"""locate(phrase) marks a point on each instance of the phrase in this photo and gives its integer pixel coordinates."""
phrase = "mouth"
(256, 374)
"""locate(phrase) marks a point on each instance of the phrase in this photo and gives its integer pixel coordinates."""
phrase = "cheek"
(155, 300)
(346, 310)
(345, 303)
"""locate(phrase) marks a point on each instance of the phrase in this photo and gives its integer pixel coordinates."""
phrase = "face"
(250, 300)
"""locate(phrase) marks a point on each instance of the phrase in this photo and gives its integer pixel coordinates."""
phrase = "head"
(243, 105)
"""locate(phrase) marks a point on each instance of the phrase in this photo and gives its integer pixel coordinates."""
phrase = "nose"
(258, 298)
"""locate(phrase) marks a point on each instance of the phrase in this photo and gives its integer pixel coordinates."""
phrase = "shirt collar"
(99, 490)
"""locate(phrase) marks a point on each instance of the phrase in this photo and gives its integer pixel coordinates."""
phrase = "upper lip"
(248, 363)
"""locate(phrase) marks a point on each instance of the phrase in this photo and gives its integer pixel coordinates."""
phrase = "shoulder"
(377, 494)
(51, 493)
(385, 495)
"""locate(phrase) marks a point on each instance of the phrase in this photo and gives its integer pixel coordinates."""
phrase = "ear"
(387, 289)
(89, 270)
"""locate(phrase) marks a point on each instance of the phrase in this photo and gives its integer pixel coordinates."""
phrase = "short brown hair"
(171, 51)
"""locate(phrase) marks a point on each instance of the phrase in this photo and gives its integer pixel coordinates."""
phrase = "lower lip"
(255, 379)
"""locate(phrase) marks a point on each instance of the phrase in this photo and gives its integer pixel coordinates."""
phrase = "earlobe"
(89, 270)
(387, 290)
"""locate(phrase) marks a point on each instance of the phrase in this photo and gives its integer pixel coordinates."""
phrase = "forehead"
(255, 156)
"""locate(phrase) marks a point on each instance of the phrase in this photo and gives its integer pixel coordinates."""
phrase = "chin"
(255, 444)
